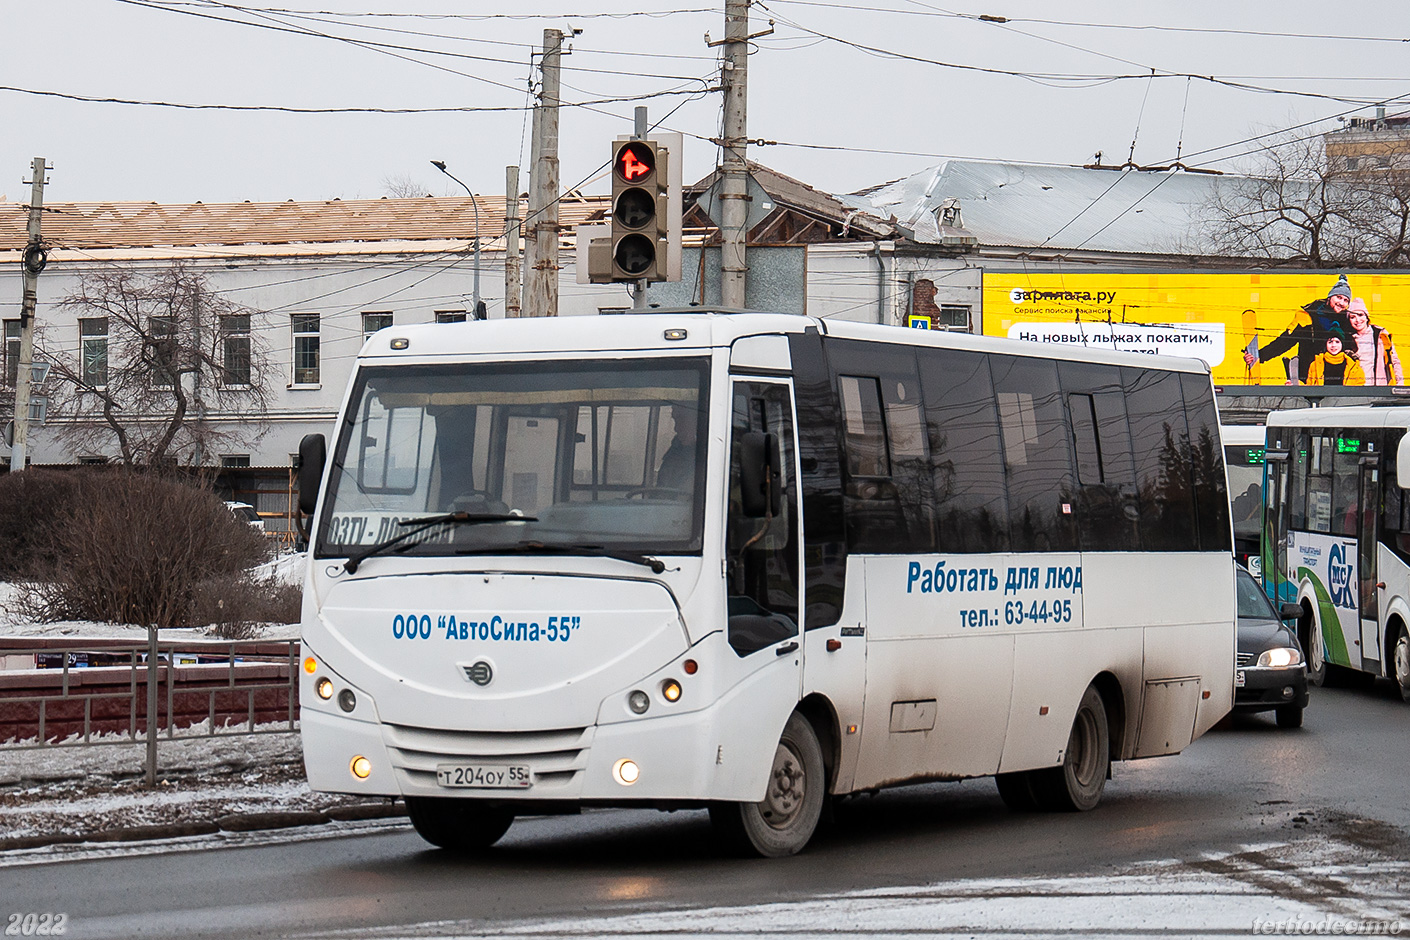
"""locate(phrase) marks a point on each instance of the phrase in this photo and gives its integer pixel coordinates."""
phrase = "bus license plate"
(484, 776)
(1239, 679)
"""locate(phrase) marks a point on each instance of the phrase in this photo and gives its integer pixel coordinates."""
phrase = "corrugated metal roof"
(1062, 208)
(104, 225)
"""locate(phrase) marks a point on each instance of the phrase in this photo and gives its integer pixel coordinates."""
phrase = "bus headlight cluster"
(347, 699)
(1279, 658)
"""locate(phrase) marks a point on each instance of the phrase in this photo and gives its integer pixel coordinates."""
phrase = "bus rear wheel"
(458, 825)
(1077, 784)
(1400, 663)
(784, 820)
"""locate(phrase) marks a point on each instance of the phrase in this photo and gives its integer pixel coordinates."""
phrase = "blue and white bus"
(752, 562)
(1338, 535)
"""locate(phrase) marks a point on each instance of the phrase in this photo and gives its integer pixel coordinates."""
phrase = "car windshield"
(1252, 601)
(590, 455)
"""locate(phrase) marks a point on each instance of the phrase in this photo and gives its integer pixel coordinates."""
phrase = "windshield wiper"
(427, 522)
(595, 551)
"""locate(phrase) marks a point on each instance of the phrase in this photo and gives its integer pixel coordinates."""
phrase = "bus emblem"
(480, 673)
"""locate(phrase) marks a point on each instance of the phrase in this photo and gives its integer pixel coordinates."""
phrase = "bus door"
(1367, 539)
(763, 552)
(1277, 580)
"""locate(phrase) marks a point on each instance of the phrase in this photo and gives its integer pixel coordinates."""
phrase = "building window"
(93, 338)
(1352, 163)
(162, 331)
(234, 460)
(954, 316)
(450, 316)
(372, 322)
(91, 460)
(306, 348)
(235, 348)
(12, 351)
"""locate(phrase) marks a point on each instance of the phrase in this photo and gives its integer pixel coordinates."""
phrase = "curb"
(237, 822)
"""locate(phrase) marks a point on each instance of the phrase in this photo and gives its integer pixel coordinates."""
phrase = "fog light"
(1287, 691)
(626, 772)
(325, 688)
(346, 700)
(671, 690)
(310, 665)
(638, 701)
(361, 767)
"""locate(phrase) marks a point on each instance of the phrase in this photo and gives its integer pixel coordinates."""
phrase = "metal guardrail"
(106, 675)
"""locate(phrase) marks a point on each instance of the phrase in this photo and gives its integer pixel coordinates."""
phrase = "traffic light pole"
(34, 259)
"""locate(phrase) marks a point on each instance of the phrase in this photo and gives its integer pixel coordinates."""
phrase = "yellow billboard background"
(1207, 316)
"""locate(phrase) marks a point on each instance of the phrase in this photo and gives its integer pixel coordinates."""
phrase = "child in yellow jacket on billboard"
(1335, 367)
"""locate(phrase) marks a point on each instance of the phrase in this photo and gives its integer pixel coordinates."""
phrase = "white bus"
(1339, 521)
(1243, 458)
(752, 561)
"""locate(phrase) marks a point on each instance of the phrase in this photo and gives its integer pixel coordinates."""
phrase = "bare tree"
(403, 186)
(166, 369)
(1298, 207)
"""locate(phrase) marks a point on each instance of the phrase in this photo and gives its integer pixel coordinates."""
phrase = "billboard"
(1251, 328)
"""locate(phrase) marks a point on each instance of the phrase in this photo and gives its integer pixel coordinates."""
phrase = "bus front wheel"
(784, 820)
(1076, 785)
(458, 825)
(1309, 634)
(1400, 663)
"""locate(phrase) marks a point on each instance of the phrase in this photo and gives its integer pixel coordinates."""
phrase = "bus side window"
(966, 451)
(1160, 441)
(1107, 512)
(1037, 449)
(1210, 489)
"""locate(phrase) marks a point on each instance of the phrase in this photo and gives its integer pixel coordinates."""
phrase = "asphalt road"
(1250, 819)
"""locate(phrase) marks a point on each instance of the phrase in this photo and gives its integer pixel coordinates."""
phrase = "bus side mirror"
(760, 477)
(1402, 463)
(313, 450)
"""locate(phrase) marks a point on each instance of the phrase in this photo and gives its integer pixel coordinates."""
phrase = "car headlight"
(1280, 658)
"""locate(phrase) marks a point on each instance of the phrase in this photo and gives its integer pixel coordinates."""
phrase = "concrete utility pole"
(541, 228)
(34, 260)
(512, 305)
(734, 212)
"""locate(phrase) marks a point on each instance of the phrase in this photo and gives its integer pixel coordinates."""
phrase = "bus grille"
(556, 758)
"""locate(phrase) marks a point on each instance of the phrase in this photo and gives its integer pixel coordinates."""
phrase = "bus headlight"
(347, 701)
(361, 767)
(626, 772)
(638, 701)
(325, 688)
(1279, 658)
(671, 690)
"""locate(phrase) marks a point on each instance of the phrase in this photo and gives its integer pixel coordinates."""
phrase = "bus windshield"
(1245, 465)
(590, 455)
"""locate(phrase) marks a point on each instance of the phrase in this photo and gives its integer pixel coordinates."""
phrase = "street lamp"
(479, 313)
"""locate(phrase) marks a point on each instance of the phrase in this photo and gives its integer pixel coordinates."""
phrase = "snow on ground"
(89, 788)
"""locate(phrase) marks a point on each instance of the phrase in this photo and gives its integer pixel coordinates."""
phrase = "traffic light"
(640, 217)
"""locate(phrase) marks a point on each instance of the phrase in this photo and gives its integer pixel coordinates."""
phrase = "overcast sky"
(855, 94)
